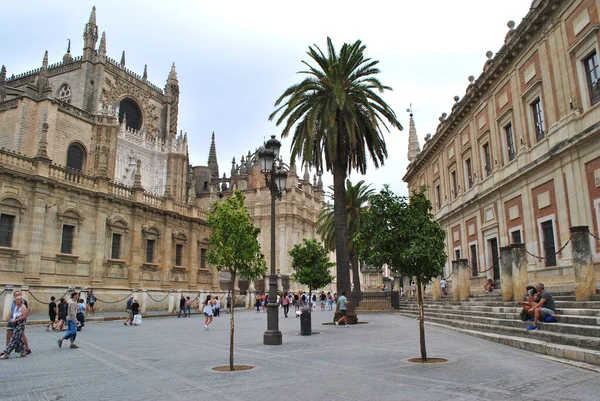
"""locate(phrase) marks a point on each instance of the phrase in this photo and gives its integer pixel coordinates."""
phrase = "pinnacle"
(92, 20)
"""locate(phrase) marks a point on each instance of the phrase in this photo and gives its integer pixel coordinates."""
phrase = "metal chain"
(43, 302)
(547, 257)
(491, 267)
(593, 235)
(114, 302)
(451, 273)
(159, 300)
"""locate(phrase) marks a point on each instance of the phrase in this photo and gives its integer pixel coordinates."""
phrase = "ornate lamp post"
(275, 179)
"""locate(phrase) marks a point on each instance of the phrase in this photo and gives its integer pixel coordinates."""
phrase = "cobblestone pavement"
(172, 359)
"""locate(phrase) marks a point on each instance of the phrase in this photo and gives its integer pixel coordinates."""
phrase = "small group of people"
(132, 307)
(538, 304)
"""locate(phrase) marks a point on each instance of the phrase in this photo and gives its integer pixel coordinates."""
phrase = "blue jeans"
(72, 332)
(188, 310)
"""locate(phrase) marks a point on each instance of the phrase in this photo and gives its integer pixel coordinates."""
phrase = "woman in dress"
(62, 314)
(17, 321)
(208, 311)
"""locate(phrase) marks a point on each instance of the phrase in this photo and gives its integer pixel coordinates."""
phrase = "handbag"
(137, 319)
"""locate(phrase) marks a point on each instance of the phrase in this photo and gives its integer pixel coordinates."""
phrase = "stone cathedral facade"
(97, 190)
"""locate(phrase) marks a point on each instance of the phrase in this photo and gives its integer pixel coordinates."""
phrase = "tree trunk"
(421, 320)
(356, 293)
(342, 254)
(232, 321)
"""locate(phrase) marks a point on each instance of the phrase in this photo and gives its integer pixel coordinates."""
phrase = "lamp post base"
(272, 337)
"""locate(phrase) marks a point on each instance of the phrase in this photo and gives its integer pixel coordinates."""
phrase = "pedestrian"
(181, 306)
(91, 302)
(9, 330)
(314, 301)
(257, 302)
(80, 314)
(135, 310)
(297, 301)
(264, 300)
(217, 306)
(330, 300)
(18, 319)
(229, 301)
(129, 312)
(71, 322)
(413, 289)
(285, 301)
(188, 307)
(342, 302)
(208, 311)
(62, 314)
(443, 286)
(52, 312)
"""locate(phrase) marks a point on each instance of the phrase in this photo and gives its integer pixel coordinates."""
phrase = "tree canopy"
(311, 264)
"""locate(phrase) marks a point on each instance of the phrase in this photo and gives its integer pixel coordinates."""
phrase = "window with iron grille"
(454, 184)
(438, 197)
(516, 236)
(7, 224)
(115, 252)
(592, 72)
(548, 239)
(457, 254)
(150, 250)
(203, 258)
(178, 254)
(510, 141)
(474, 267)
(66, 245)
(75, 157)
(469, 169)
(488, 159)
(538, 119)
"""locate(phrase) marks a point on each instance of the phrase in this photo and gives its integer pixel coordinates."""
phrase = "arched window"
(133, 115)
(64, 93)
(76, 157)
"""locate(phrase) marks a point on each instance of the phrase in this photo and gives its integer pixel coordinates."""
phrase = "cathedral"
(97, 190)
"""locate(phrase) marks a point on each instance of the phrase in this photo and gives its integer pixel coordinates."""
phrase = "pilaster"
(506, 273)
(464, 278)
(520, 275)
(36, 237)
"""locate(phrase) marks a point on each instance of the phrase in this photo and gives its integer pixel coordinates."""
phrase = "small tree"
(406, 237)
(311, 265)
(234, 247)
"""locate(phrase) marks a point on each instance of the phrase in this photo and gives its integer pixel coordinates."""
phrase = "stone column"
(436, 292)
(506, 273)
(101, 237)
(455, 281)
(171, 301)
(165, 244)
(8, 298)
(279, 284)
(144, 302)
(520, 275)
(137, 252)
(464, 277)
(193, 260)
(36, 234)
(583, 267)
(201, 297)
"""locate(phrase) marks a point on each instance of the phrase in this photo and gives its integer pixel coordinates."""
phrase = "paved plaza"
(172, 359)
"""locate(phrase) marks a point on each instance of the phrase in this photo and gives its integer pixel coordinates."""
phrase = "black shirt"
(52, 308)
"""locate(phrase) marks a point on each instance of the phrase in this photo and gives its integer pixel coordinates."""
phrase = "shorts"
(546, 312)
(343, 312)
(206, 314)
(91, 304)
(130, 313)
(52, 317)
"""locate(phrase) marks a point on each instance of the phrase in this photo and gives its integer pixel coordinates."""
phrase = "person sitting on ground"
(489, 285)
(528, 301)
(544, 307)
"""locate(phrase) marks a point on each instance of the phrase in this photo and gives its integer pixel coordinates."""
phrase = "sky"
(235, 58)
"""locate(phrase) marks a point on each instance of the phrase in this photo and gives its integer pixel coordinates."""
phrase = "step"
(584, 358)
(543, 334)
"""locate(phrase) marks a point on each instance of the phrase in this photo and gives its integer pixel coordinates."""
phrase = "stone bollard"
(83, 295)
(144, 302)
(171, 301)
(8, 299)
(455, 281)
(464, 278)
(583, 267)
(436, 292)
(519, 275)
(506, 273)
(201, 298)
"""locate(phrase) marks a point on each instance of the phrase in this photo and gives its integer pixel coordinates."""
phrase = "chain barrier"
(451, 273)
(150, 296)
(44, 302)
(547, 257)
(593, 235)
(114, 302)
(497, 264)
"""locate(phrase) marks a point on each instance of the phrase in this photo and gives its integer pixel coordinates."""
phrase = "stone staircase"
(574, 338)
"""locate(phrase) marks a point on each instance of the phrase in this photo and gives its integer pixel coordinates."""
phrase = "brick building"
(518, 158)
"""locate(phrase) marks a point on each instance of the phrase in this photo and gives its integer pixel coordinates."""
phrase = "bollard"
(464, 278)
(436, 292)
(583, 266)
(171, 301)
(506, 273)
(83, 295)
(8, 299)
(144, 302)
(455, 281)
(519, 275)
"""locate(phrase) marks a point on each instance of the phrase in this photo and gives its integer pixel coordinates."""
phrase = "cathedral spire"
(123, 59)
(45, 61)
(2, 83)
(92, 20)
(145, 75)
(102, 46)
(413, 140)
(172, 74)
(213, 165)
(67, 58)
(90, 36)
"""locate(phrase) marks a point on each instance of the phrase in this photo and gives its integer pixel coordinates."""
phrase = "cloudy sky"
(234, 58)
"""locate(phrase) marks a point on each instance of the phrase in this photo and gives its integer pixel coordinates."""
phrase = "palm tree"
(337, 119)
(357, 197)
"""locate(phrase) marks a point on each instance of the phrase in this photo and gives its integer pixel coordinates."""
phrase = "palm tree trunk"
(232, 321)
(342, 254)
(356, 293)
(421, 320)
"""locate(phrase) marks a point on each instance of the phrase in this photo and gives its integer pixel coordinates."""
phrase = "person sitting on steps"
(529, 300)
(544, 307)
(489, 285)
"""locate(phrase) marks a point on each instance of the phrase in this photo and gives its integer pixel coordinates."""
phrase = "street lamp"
(275, 179)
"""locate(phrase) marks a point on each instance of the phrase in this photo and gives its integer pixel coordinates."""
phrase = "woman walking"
(208, 311)
(257, 303)
(285, 301)
(17, 321)
(217, 306)
(62, 314)
(52, 312)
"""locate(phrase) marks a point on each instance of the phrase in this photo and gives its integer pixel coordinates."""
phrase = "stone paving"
(172, 359)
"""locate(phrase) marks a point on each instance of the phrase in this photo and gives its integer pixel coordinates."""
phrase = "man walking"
(71, 321)
(544, 307)
(129, 311)
(9, 328)
(342, 302)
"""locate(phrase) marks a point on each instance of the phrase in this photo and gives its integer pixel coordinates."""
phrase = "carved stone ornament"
(69, 215)
(150, 231)
(116, 224)
(179, 235)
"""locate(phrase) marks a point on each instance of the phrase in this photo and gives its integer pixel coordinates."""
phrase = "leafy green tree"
(234, 247)
(357, 197)
(310, 261)
(336, 117)
(406, 237)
